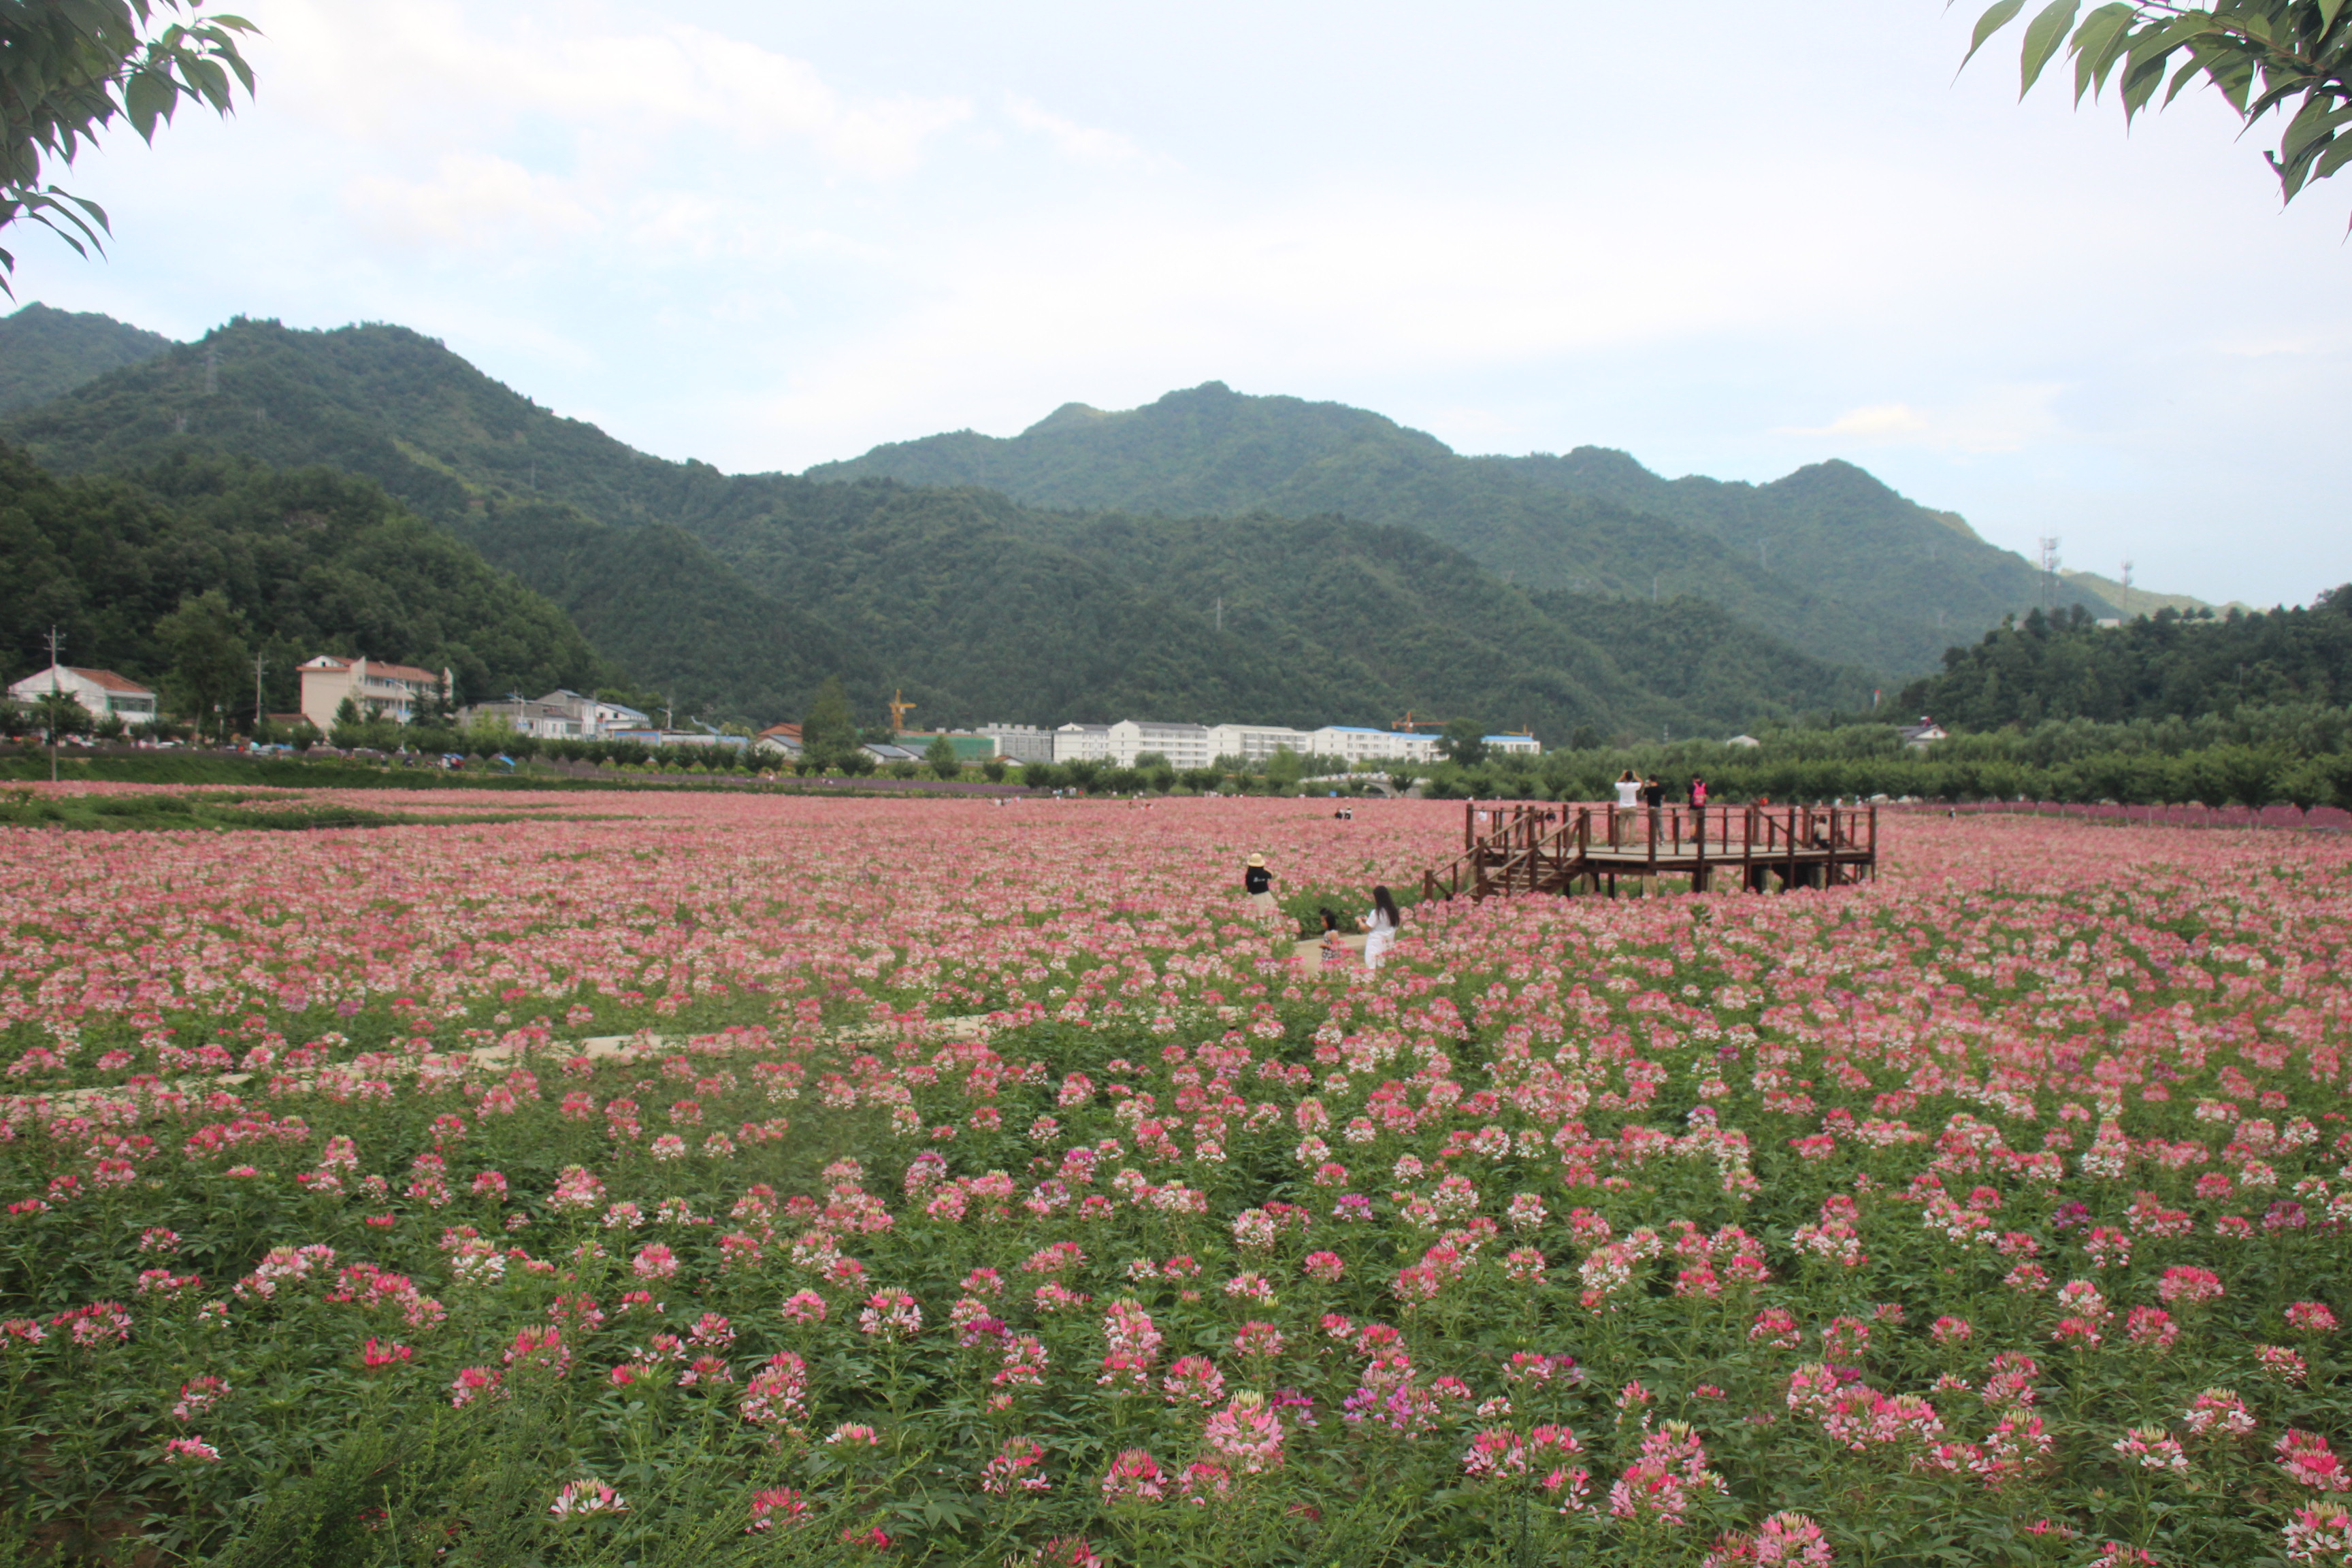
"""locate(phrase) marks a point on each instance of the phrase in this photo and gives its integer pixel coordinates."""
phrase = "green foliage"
(2298, 753)
(828, 729)
(2291, 57)
(940, 757)
(219, 812)
(744, 593)
(1827, 559)
(70, 68)
(1464, 742)
(45, 353)
(2025, 672)
(303, 563)
(204, 641)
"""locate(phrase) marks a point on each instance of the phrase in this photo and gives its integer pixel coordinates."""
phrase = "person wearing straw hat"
(1258, 882)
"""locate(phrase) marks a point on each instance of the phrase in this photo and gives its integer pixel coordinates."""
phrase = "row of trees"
(2039, 667)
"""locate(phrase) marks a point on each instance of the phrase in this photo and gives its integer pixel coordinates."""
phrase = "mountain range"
(1210, 556)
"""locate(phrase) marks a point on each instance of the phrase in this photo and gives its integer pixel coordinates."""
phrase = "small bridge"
(1532, 847)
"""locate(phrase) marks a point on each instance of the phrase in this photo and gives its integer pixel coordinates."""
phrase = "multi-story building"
(1021, 743)
(1357, 743)
(394, 691)
(1082, 743)
(99, 692)
(1183, 746)
(1522, 745)
(1256, 742)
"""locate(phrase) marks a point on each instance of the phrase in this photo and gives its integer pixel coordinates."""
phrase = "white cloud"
(432, 72)
(1079, 143)
(474, 200)
(1996, 419)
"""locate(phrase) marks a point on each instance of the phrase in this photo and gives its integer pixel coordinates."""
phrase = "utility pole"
(2126, 604)
(2048, 544)
(57, 642)
(260, 661)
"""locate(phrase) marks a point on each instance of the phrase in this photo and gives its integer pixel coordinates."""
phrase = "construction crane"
(1408, 722)
(899, 708)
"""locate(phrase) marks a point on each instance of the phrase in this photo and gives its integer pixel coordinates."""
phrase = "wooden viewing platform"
(1548, 849)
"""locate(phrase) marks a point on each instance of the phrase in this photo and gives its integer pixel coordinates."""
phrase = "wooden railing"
(1512, 846)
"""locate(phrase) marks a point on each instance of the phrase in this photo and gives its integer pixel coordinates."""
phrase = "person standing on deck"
(1698, 792)
(1629, 797)
(1257, 883)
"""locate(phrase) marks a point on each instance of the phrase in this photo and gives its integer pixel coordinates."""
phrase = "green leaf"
(2042, 36)
(1991, 22)
(148, 98)
(2099, 43)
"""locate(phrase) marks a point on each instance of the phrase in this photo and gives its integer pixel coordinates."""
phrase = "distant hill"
(1828, 559)
(45, 353)
(311, 562)
(741, 593)
(2136, 601)
(2167, 666)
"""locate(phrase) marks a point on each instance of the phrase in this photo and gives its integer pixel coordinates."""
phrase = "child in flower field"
(1003, 1209)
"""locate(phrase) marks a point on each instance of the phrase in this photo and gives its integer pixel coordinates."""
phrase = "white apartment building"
(394, 691)
(99, 692)
(1184, 745)
(1256, 742)
(1359, 744)
(1525, 745)
(1021, 743)
(1082, 743)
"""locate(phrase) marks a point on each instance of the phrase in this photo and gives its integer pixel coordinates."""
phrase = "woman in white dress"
(1380, 927)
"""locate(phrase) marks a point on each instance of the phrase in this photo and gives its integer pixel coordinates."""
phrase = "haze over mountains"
(1209, 556)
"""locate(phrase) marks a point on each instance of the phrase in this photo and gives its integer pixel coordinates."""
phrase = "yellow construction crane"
(1409, 722)
(900, 708)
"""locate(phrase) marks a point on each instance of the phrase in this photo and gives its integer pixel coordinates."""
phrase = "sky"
(1727, 238)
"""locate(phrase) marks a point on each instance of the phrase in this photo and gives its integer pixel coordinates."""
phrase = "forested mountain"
(309, 561)
(1827, 559)
(2160, 667)
(738, 594)
(45, 353)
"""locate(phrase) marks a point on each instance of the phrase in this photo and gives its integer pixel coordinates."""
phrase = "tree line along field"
(713, 1179)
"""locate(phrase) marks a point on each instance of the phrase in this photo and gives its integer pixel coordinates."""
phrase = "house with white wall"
(99, 692)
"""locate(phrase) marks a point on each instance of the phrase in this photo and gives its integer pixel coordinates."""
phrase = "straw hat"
(1257, 859)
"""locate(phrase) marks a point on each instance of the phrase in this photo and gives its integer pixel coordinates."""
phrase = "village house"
(99, 692)
(382, 690)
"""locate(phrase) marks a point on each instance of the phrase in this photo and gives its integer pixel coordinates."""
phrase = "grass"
(219, 812)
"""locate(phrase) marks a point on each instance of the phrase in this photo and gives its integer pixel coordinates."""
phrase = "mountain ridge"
(740, 592)
(1828, 557)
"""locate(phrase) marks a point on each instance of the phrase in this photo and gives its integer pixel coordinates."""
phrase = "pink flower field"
(708, 1179)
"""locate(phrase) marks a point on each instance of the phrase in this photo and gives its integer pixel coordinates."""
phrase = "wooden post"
(1698, 870)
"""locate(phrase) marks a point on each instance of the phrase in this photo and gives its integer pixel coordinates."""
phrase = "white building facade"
(1515, 745)
(1256, 742)
(1184, 745)
(1360, 744)
(99, 692)
(1082, 743)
